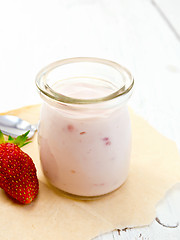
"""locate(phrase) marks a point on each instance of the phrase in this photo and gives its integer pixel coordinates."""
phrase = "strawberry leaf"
(20, 140)
(10, 139)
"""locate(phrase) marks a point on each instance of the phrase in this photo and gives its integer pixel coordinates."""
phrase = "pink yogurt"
(85, 133)
(85, 155)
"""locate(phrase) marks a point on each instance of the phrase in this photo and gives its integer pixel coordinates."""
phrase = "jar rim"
(44, 88)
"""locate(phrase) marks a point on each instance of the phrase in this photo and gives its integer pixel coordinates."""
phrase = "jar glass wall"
(85, 133)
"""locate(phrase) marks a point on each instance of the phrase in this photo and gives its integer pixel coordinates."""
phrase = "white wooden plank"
(166, 226)
(170, 10)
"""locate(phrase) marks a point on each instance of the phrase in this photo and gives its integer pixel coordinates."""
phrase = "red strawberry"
(17, 171)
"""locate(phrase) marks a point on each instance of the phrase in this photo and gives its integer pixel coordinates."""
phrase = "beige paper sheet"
(155, 167)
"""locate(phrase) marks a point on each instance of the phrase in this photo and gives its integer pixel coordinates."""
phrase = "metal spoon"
(15, 126)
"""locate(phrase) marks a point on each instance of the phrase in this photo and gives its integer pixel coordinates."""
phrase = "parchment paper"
(155, 167)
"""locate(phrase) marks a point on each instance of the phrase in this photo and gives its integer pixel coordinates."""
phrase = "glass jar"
(85, 132)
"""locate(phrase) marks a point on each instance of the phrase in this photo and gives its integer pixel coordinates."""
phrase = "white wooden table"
(143, 35)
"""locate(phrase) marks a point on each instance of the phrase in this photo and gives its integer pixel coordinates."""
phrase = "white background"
(143, 35)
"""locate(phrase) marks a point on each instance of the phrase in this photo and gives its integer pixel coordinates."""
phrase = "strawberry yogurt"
(85, 147)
